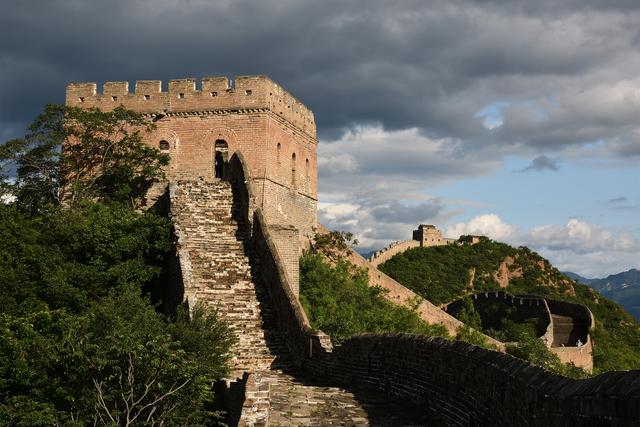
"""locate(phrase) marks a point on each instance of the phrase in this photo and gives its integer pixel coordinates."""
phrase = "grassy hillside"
(445, 273)
(340, 302)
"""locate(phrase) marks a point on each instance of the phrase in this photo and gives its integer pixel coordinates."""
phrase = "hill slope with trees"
(445, 273)
(81, 341)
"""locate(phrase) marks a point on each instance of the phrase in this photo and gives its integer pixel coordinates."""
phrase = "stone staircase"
(221, 274)
(213, 236)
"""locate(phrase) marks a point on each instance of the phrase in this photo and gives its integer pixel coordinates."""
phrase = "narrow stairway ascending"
(213, 234)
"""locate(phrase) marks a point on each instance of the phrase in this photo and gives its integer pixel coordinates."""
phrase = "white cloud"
(587, 249)
(373, 163)
(584, 248)
(581, 237)
(489, 225)
(337, 164)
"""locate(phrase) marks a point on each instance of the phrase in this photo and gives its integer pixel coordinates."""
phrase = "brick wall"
(471, 386)
(275, 133)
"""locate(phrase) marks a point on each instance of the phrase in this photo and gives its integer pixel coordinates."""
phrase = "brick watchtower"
(275, 133)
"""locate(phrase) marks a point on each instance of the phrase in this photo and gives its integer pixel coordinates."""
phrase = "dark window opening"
(214, 94)
(220, 158)
(114, 98)
(293, 169)
(181, 95)
(164, 145)
(248, 92)
(147, 97)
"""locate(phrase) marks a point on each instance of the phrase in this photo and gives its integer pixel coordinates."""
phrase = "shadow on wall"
(465, 384)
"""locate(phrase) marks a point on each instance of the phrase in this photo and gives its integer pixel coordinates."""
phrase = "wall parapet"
(183, 95)
(582, 320)
(535, 306)
(388, 252)
(470, 386)
(303, 341)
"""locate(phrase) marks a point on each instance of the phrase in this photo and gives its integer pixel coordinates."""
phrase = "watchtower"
(200, 124)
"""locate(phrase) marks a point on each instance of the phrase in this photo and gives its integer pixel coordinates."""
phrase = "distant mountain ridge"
(623, 288)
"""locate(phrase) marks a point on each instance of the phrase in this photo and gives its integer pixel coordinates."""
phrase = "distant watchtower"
(201, 129)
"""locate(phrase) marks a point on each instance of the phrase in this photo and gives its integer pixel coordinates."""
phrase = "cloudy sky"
(517, 119)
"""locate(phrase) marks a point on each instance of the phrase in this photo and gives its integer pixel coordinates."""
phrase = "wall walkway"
(456, 383)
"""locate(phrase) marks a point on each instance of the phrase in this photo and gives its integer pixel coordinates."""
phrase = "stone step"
(222, 274)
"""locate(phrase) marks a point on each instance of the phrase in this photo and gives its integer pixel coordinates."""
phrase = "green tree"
(79, 343)
(535, 351)
(468, 314)
(72, 154)
(117, 363)
(340, 302)
(68, 258)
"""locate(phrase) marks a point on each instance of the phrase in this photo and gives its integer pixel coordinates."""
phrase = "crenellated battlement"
(210, 94)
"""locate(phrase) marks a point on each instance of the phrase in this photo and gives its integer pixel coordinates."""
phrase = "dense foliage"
(68, 258)
(445, 273)
(442, 274)
(533, 350)
(117, 362)
(340, 302)
(72, 154)
(80, 341)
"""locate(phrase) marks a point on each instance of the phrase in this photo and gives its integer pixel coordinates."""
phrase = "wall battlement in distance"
(249, 93)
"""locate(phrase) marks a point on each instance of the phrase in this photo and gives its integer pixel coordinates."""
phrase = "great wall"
(243, 194)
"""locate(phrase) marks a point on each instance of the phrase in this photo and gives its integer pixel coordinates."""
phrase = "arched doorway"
(220, 158)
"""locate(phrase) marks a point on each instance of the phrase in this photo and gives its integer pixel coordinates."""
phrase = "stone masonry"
(224, 275)
(196, 121)
(566, 323)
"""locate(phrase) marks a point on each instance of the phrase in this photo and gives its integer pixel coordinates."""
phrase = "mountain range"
(623, 288)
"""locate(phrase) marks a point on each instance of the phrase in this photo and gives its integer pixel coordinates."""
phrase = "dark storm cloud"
(620, 199)
(396, 212)
(542, 163)
(408, 64)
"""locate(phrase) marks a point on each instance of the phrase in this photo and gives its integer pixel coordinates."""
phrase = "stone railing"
(242, 187)
(301, 339)
(276, 272)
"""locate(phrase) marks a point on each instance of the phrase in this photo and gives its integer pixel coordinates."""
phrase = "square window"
(147, 97)
(81, 99)
(248, 92)
(214, 94)
(114, 98)
(181, 95)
